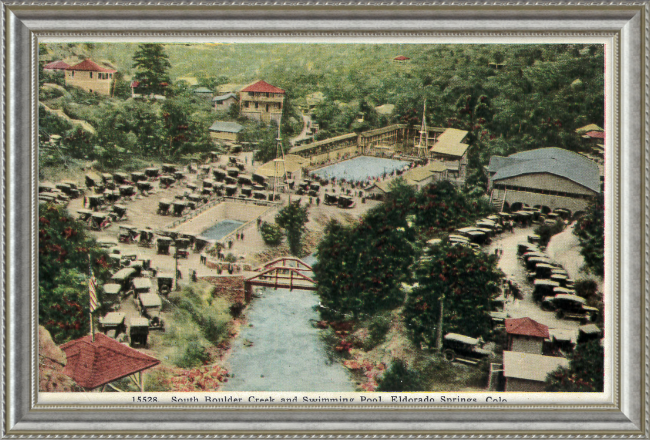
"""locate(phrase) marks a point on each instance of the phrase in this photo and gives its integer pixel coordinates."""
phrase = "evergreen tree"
(361, 268)
(292, 218)
(152, 65)
(464, 282)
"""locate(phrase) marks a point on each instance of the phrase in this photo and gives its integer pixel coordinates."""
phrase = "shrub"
(590, 230)
(271, 234)
(194, 355)
(236, 309)
(230, 258)
(545, 232)
(586, 288)
(215, 330)
(377, 330)
(400, 378)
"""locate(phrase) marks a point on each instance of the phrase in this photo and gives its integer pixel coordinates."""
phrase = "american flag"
(92, 288)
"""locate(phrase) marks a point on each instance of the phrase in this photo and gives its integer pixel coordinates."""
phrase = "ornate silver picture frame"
(620, 411)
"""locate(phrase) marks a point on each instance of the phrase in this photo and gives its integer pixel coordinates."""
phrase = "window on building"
(91, 75)
(251, 94)
(110, 75)
(257, 105)
(72, 75)
(267, 107)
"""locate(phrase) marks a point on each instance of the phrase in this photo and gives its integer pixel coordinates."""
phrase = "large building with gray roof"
(547, 177)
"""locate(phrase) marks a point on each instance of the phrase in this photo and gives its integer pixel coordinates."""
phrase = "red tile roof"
(56, 65)
(526, 327)
(401, 58)
(135, 83)
(262, 87)
(596, 134)
(93, 364)
(90, 65)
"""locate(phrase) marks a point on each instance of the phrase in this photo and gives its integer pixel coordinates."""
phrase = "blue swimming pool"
(221, 229)
(360, 168)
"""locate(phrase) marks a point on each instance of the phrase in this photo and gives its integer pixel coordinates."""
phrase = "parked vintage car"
(112, 325)
(150, 306)
(460, 347)
(138, 332)
(570, 307)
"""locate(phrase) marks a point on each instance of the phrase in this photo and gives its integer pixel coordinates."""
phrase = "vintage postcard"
(223, 223)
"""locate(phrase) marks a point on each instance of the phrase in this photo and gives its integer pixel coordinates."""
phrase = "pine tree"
(292, 218)
(152, 65)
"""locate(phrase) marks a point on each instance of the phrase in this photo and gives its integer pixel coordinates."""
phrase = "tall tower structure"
(423, 145)
(280, 170)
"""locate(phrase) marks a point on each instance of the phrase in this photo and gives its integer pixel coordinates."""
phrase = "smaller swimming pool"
(221, 229)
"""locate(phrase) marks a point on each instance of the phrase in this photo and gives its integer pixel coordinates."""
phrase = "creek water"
(279, 349)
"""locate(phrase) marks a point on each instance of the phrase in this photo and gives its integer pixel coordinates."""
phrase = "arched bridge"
(281, 273)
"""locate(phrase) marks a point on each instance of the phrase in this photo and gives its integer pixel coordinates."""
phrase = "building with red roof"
(92, 364)
(90, 76)
(595, 134)
(262, 101)
(56, 66)
(401, 59)
(526, 335)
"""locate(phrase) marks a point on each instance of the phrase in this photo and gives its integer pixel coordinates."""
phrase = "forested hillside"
(531, 96)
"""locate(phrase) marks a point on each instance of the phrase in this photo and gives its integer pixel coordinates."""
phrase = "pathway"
(514, 269)
(306, 126)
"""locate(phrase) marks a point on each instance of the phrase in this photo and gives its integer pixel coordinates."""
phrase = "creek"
(280, 349)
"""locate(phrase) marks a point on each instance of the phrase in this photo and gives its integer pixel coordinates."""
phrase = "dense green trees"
(66, 252)
(292, 218)
(361, 268)
(461, 281)
(441, 206)
(151, 65)
(586, 371)
(590, 230)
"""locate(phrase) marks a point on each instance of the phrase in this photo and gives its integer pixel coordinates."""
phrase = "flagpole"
(90, 280)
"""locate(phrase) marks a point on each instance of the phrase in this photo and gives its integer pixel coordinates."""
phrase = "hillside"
(508, 97)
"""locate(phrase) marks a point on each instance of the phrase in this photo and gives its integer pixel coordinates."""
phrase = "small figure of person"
(178, 274)
(317, 201)
(242, 236)
(230, 244)
(230, 269)
(237, 236)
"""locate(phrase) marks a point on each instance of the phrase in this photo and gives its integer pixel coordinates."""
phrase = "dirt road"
(512, 266)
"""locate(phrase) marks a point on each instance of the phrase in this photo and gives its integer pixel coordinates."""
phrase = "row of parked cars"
(134, 278)
(60, 193)
(553, 288)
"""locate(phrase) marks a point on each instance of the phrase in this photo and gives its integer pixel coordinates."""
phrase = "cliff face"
(51, 361)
